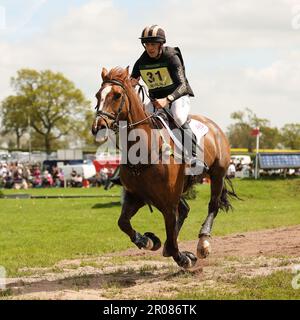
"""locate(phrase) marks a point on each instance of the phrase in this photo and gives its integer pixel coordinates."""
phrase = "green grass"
(275, 286)
(41, 232)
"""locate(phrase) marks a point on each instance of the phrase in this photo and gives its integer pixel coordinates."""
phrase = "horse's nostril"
(94, 131)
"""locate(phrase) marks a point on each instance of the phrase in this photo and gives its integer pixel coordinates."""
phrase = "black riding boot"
(190, 138)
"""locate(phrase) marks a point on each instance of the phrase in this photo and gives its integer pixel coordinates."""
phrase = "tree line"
(239, 133)
(59, 116)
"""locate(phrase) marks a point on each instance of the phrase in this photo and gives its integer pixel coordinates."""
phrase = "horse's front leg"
(130, 207)
(183, 259)
(183, 210)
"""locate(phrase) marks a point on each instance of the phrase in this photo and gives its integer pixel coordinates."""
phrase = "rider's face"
(152, 49)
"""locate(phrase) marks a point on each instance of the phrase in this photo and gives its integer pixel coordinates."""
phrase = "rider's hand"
(134, 81)
(160, 103)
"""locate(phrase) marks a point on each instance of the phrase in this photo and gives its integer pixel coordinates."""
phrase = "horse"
(161, 185)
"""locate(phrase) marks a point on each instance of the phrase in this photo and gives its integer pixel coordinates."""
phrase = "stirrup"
(195, 163)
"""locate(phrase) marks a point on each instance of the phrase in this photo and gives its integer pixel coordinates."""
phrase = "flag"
(255, 132)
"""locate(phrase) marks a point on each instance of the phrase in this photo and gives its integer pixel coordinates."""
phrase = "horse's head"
(112, 100)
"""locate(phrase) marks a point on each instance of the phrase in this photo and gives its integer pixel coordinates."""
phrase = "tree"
(270, 137)
(291, 135)
(239, 132)
(37, 142)
(14, 117)
(53, 103)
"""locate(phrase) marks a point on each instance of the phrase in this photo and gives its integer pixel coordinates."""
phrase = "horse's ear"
(104, 73)
(127, 71)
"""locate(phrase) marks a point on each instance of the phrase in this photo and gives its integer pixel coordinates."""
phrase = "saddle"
(163, 119)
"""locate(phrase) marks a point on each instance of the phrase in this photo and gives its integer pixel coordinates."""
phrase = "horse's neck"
(140, 121)
(136, 108)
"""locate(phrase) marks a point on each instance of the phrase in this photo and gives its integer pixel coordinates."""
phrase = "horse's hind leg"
(130, 207)
(203, 248)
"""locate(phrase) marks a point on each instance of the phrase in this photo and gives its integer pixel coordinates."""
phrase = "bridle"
(115, 117)
(108, 115)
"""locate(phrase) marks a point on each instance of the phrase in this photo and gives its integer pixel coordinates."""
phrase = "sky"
(238, 53)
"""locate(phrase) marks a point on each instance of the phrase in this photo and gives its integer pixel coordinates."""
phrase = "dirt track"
(136, 274)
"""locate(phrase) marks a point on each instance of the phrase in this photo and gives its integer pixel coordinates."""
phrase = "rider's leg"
(190, 140)
(180, 110)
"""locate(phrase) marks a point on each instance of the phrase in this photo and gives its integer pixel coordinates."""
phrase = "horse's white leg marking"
(149, 245)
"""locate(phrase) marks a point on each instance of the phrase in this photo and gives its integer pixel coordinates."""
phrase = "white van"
(243, 159)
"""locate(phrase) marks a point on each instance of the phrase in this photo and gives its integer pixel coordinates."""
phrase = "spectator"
(47, 180)
(37, 179)
(3, 173)
(8, 181)
(231, 170)
(76, 180)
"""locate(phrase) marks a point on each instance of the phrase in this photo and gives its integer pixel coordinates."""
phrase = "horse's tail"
(227, 193)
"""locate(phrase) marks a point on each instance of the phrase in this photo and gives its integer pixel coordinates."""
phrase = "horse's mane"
(118, 73)
(121, 74)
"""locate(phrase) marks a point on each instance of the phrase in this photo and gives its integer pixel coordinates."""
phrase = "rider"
(162, 69)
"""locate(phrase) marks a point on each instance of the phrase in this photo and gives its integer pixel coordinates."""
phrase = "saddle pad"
(198, 128)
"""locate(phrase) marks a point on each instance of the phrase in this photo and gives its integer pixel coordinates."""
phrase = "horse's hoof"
(187, 260)
(203, 248)
(153, 243)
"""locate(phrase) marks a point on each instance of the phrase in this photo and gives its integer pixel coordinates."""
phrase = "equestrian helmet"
(153, 34)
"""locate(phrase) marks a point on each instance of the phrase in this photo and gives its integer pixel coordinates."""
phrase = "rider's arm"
(135, 75)
(178, 76)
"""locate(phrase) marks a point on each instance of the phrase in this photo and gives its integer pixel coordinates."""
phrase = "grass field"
(261, 287)
(41, 232)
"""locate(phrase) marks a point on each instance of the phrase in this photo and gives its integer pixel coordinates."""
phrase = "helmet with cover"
(153, 34)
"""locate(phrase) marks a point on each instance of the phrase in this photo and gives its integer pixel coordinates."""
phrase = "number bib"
(156, 77)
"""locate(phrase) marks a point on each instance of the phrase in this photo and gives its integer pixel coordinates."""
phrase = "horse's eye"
(117, 96)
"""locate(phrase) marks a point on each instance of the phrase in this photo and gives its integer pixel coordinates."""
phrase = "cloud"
(280, 78)
(272, 92)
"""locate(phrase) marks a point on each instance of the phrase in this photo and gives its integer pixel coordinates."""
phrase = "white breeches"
(180, 109)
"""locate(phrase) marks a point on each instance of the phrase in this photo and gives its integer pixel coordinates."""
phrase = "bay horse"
(161, 185)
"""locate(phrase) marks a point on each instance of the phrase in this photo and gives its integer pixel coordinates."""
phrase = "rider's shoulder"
(171, 50)
(173, 54)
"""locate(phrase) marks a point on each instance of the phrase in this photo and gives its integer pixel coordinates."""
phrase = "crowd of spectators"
(16, 175)
(23, 176)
